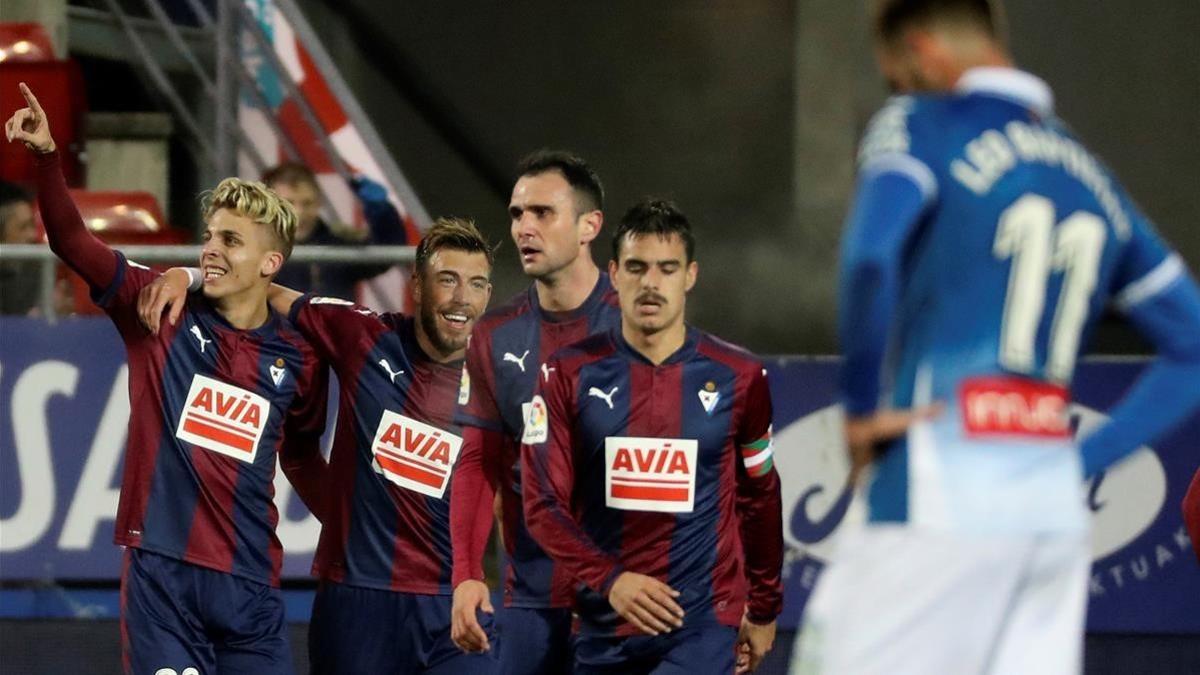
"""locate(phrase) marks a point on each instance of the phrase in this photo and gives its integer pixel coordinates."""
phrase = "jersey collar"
(1014, 85)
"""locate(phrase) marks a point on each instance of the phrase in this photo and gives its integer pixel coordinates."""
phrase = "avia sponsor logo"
(1011, 406)
(415, 455)
(223, 418)
(650, 474)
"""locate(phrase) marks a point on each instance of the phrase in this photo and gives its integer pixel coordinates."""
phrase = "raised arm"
(69, 238)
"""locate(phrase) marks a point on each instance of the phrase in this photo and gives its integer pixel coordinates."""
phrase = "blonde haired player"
(214, 400)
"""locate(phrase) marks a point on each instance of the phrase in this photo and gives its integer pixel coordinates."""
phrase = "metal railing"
(190, 253)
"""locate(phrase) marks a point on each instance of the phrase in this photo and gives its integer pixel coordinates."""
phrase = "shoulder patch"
(887, 133)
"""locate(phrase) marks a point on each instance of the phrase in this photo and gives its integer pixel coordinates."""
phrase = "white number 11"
(1026, 233)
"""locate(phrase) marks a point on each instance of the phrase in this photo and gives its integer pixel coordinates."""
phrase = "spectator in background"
(297, 184)
(20, 282)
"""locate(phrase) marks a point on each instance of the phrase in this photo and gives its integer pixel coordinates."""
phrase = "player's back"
(1025, 240)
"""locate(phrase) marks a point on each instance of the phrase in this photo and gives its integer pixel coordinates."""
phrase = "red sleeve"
(69, 238)
(333, 325)
(475, 482)
(1191, 512)
(300, 454)
(548, 480)
(759, 504)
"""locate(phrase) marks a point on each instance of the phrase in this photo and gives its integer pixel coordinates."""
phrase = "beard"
(445, 344)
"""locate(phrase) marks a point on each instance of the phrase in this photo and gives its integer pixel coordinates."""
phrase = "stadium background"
(747, 113)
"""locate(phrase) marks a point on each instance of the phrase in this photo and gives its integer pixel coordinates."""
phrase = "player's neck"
(657, 346)
(568, 288)
(246, 310)
(985, 56)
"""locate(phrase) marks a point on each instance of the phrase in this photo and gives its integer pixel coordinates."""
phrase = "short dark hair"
(11, 193)
(459, 234)
(658, 217)
(589, 192)
(893, 17)
(289, 173)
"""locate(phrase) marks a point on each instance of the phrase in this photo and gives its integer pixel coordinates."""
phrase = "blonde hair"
(257, 202)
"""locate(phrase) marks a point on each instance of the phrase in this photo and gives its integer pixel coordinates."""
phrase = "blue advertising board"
(64, 406)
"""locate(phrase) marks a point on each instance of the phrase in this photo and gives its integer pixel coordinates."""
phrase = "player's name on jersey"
(223, 418)
(992, 154)
(415, 455)
(650, 474)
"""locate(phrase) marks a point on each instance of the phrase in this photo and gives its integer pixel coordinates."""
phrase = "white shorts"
(898, 601)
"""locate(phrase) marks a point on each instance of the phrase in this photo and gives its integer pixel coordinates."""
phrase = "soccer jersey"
(661, 470)
(509, 348)
(211, 407)
(1019, 241)
(393, 452)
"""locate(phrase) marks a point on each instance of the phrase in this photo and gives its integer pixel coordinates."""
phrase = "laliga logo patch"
(415, 455)
(223, 418)
(709, 396)
(464, 387)
(537, 422)
(650, 474)
(277, 372)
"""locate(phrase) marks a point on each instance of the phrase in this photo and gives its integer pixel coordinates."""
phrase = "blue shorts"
(686, 651)
(180, 616)
(367, 630)
(535, 641)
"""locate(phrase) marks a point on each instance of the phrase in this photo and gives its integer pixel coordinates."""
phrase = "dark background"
(746, 113)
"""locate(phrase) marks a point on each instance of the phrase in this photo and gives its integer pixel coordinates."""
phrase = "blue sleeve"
(887, 208)
(1169, 390)
(383, 220)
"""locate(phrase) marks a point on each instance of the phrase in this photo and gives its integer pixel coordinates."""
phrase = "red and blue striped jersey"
(211, 406)
(387, 518)
(664, 470)
(509, 347)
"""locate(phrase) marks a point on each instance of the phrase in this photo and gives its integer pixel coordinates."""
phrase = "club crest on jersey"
(277, 372)
(415, 455)
(537, 422)
(709, 396)
(650, 474)
(223, 418)
(464, 387)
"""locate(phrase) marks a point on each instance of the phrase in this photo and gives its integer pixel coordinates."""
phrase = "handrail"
(155, 253)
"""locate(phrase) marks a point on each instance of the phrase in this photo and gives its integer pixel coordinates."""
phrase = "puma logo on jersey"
(415, 455)
(607, 398)
(223, 418)
(509, 356)
(383, 363)
(650, 474)
(200, 338)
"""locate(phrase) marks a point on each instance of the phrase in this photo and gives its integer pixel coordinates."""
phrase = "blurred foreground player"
(983, 244)
(213, 400)
(384, 555)
(648, 474)
(556, 212)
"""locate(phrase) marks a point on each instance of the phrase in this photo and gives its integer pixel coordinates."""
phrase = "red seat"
(25, 42)
(59, 88)
(117, 217)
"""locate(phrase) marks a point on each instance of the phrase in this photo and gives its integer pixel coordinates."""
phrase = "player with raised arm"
(214, 400)
(384, 558)
(984, 242)
(556, 213)
(648, 474)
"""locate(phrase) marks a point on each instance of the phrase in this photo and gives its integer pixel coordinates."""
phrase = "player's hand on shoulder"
(753, 643)
(469, 597)
(29, 125)
(646, 602)
(169, 293)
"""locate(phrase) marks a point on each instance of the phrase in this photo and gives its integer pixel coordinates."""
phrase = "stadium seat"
(60, 90)
(24, 42)
(117, 217)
